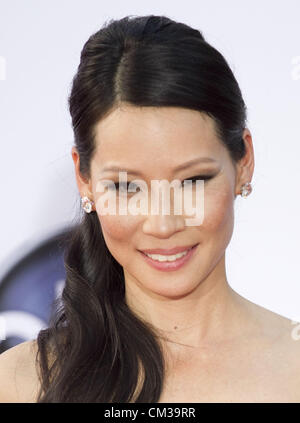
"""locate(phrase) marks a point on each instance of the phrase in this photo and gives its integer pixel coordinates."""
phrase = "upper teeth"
(159, 257)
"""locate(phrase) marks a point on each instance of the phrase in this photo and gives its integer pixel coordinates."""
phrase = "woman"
(147, 312)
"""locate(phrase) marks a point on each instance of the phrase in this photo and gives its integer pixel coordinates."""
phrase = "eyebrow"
(178, 168)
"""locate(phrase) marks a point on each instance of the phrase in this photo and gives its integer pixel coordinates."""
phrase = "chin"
(169, 286)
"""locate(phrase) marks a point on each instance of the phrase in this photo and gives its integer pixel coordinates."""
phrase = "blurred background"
(40, 45)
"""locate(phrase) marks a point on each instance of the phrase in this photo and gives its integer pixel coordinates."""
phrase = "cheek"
(118, 228)
(117, 232)
(218, 210)
(115, 227)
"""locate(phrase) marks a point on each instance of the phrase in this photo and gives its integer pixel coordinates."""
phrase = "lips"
(168, 266)
(170, 251)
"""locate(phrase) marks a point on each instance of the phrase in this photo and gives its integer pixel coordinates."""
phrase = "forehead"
(144, 135)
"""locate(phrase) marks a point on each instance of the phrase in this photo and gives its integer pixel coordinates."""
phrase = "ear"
(84, 185)
(245, 167)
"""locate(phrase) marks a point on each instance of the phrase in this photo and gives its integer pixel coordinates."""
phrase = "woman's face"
(154, 142)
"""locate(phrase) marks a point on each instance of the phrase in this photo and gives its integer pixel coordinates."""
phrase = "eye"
(199, 177)
(123, 187)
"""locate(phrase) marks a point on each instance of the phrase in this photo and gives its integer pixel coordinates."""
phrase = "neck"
(213, 312)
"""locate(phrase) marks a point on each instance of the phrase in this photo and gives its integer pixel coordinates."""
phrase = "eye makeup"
(120, 186)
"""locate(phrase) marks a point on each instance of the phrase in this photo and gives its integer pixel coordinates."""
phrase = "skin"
(218, 346)
(194, 309)
(194, 304)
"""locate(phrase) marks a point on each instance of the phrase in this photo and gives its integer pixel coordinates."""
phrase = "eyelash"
(194, 179)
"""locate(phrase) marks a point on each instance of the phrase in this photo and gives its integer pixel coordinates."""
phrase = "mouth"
(168, 262)
(167, 252)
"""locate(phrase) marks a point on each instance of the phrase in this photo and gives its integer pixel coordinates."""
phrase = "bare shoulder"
(19, 379)
(281, 333)
(288, 342)
(286, 352)
(270, 325)
(279, 328)
(276, 346)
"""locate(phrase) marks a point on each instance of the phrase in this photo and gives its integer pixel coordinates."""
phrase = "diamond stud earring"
(246, 190)
(87, 204)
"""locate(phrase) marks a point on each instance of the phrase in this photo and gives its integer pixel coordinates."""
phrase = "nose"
(163, 226)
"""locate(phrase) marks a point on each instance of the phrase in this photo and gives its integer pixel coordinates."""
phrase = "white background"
(40, 45)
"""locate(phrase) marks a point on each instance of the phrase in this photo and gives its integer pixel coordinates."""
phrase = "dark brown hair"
(98, 346)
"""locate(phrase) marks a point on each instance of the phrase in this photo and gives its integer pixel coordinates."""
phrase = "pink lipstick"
(167, 266)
